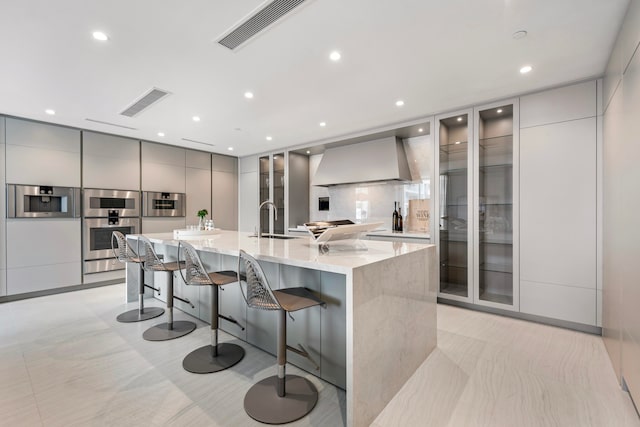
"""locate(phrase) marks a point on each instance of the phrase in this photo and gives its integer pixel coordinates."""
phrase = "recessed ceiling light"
(50, 112)
(269, 138)
(230, 148)
(196, 118)
(420, 130)
(519, 34)
(99, 35)
(248, 95)
(160, 133)
(526, 69)
(322, 124)
(459, 119)
(499, 110)
(308, 152)
(458, 142)
(399, 103)
(335, 56)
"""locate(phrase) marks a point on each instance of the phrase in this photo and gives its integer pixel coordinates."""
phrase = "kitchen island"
(379, 324)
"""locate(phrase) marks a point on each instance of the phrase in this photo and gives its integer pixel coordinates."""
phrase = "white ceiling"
(434, 55)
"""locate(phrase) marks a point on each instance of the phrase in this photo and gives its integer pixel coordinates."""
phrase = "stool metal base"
(263, 404)
(201, 361)
(135, 315)
(162, 332)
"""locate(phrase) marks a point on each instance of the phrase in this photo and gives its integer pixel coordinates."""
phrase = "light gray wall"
(621, 286)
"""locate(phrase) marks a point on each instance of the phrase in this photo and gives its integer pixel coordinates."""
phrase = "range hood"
(373, 161)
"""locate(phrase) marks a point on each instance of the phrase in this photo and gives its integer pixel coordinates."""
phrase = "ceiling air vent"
(258, 21)
(144, 102)
(198, 142)
(110, 124)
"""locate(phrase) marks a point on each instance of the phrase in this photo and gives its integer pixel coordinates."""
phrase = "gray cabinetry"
(110, 162)
(248, 194)
(42, 154)
(198, 184)
(3, 214)
(224, 190)
(163, 169)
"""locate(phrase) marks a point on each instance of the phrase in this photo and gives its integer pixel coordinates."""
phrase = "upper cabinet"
(110, 162)
(163, 168)
(42, 154)
(559, 105)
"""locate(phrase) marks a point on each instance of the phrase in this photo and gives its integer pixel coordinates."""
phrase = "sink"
(274, 236)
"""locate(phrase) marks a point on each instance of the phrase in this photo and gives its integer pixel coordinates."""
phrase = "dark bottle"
(399, 219)
(394, 221)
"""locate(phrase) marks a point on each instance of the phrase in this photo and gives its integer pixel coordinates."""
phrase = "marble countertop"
(300, 251)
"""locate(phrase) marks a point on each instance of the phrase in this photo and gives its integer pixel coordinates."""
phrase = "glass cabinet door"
(272, 177)
(454, 206)
(278, 192)
(265, 181)
(495, 207)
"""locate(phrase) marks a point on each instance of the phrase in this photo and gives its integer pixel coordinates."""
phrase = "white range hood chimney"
(379, 160)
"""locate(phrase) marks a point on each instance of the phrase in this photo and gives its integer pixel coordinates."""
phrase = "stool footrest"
(304, 353)
(230, 319)
(184, 300)
(151, 287)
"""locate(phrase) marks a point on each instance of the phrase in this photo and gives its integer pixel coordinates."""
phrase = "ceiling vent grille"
(197, 142)
(257, 22)
(110, 124)
(144, 102)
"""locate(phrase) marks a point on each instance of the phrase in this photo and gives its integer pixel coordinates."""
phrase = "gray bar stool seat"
(123, 252)
(281, 398)
(170, 329)
(216, 356)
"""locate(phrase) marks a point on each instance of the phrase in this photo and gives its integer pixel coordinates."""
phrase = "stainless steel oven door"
(100, 203)
(98, 233)
(163, 204)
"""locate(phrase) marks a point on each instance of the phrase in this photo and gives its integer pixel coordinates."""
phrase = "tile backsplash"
(373, 202)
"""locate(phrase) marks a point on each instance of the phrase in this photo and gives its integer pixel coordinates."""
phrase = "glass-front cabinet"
(453, 204)
(495, 188)
(272, 178)
(477, 205)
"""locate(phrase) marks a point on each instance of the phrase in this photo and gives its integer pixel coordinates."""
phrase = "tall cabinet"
(477, 205)
(283, 179)
(496, 221)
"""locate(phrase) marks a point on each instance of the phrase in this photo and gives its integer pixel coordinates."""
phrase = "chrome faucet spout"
(275, 215)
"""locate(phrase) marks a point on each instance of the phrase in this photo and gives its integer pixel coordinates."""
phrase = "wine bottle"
(399, 219)
(394, 220)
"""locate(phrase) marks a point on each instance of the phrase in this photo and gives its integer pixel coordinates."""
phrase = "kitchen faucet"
(275, 213)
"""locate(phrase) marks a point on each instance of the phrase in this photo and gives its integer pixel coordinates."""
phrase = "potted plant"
(202, 213)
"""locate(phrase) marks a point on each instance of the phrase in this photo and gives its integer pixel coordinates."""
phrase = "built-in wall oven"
(163, 204)
(106, 211)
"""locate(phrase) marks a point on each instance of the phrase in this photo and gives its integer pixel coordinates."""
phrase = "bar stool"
(168, 330)
(123, 253)
(281, 398)
(214, 357)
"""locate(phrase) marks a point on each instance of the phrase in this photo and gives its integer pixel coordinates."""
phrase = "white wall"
(621, 287)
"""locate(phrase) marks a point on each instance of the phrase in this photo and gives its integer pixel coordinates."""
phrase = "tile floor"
(65, 361)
